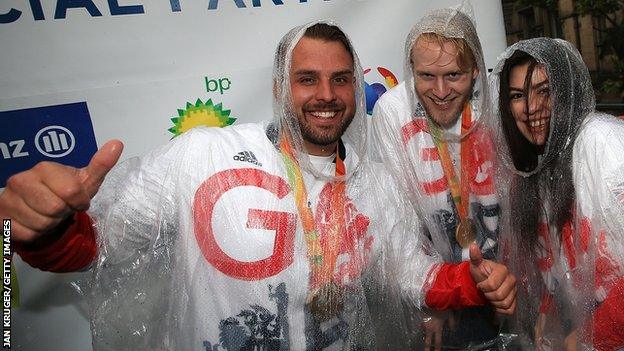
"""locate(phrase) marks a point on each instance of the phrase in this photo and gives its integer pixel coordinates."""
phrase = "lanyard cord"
(322, 252)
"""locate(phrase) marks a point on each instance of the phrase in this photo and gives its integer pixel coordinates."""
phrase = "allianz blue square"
(59, 133)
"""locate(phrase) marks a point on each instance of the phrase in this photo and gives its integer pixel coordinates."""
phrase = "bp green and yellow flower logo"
(200, 114)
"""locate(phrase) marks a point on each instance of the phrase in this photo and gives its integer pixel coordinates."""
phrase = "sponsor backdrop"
(75, 73)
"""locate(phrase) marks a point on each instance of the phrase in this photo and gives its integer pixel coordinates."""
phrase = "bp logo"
(200, 114)
(376, 90)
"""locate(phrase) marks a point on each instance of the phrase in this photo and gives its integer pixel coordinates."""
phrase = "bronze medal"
(326, 303)
(465, 233)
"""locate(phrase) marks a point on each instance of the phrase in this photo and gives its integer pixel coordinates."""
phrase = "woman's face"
(530, 109)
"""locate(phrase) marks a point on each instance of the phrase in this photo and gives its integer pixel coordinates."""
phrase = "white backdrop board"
(130, 66)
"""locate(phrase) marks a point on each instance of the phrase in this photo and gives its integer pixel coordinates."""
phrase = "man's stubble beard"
(454, 114)
(311, 136)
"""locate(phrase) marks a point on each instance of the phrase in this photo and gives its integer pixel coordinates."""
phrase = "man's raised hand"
(494, 280)
(39, 199)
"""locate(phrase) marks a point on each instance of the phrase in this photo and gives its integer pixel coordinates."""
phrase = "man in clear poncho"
(198, 249)
(562, 185)
(430, 133)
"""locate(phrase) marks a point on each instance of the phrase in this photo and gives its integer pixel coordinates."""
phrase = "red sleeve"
(73, 250)
(608, 320)
(454, 288)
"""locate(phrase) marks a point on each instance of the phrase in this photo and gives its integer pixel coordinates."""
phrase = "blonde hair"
(465, 57)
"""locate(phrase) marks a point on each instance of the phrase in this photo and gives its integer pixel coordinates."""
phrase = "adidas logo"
(247, 156)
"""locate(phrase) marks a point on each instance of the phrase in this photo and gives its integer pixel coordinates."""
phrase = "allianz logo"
(50, 141)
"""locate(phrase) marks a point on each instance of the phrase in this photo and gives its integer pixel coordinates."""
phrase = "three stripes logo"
(55, 141)
(247, 156)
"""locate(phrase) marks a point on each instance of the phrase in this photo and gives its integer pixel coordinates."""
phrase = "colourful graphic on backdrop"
(376, 90)
(200, 114)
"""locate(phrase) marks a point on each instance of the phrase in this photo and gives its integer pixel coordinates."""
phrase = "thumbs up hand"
(494, 280)
(92, 176)
(39, 199)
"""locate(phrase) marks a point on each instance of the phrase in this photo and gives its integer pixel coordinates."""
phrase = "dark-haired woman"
(564, 203)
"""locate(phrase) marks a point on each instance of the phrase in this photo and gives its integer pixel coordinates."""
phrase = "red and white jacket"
(593, 236)
(403, 141)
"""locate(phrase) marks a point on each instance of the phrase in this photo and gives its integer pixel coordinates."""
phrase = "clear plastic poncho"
(563, 204)
(202, 243)
(405, 143)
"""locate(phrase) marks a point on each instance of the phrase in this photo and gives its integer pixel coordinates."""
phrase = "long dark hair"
(525, 192)
(524, 154)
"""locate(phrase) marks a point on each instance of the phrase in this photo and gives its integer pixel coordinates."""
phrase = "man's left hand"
(494, 280)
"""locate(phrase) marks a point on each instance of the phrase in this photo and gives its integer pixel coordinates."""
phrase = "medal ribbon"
(460, 191)
(322, 254)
